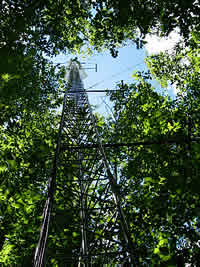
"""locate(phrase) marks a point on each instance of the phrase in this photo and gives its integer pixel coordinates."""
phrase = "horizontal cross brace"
(93, 91)
(160, 142)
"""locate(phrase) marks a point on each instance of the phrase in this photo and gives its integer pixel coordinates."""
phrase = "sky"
(111, 71)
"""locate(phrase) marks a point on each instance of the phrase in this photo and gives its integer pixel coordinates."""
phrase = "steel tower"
(91, 205)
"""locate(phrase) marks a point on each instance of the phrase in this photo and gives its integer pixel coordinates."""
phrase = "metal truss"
(95, 221)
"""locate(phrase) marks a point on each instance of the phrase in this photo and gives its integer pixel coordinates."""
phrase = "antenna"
(90, 68)
(86, 67)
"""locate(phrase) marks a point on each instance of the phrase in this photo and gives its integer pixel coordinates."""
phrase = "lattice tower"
(94, 220)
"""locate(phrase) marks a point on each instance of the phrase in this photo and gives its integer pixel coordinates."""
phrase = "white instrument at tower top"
(75, 71)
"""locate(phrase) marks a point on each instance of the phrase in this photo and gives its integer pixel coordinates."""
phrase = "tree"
(159, 182)
(159, 173)
(26, 149)
(64, 26)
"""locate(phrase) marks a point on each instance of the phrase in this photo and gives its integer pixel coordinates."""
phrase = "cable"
(114, 75)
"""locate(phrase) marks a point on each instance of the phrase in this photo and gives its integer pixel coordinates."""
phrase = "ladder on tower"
(93, 218)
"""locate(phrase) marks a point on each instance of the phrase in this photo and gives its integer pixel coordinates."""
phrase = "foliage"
(159, 181)
(26, 148)
(181, 68)
(55, 26)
